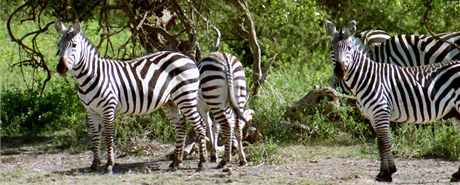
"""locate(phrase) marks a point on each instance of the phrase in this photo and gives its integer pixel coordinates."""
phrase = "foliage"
(267, 152)
(397, 17)
(432, 140)
(25, 113)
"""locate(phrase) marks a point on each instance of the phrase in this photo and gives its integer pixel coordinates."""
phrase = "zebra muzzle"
(339, 71)
(62, 67)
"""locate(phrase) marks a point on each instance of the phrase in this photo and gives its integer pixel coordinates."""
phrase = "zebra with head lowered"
(106, 87)
(388, 92)
(223, 92)
(408, 50)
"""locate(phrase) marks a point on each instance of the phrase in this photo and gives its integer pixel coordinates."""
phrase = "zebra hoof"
(382, 177)
(213, 159)
(222, 164)
(95, 166)
(455, 177)
(243, 163)
(174, 166)
(109, 169)
(200, 166)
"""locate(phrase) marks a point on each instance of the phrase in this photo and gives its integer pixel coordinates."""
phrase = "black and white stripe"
(413, 50)
(373, 38)
(223, 92)
(106, 87)
(410, 50)
(387, 92)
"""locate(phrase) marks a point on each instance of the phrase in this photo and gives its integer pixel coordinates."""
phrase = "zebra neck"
(361, 72)
(90, 67)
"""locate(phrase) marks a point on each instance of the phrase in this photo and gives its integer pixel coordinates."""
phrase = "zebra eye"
(74, 45)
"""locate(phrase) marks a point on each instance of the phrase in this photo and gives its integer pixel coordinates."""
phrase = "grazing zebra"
(106, 87)
(387, 92)
(223, 93)
(411, 50)
(373, 38)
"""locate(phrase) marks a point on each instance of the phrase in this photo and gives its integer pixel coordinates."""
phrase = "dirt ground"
(31, 165)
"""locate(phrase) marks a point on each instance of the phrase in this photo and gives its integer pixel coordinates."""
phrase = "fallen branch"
(323, 98)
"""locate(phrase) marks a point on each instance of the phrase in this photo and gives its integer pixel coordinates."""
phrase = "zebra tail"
(231, 93)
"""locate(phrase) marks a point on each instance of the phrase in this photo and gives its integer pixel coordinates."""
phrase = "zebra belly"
(143, 104)
(423, 113)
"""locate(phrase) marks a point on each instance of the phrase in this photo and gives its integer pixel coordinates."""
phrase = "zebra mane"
(88, 43)
(361, 46)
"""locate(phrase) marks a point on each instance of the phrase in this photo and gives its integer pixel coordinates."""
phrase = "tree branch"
(253, 43)
(33, 51)
(428, 8)
(218, 35)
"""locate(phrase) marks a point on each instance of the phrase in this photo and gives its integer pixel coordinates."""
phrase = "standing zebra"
(373, 38)
(107, 87)
(388, 92)
(223, 93)
(410, 50)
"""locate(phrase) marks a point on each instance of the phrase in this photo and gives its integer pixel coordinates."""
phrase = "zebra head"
(342, 47)
(69, 46)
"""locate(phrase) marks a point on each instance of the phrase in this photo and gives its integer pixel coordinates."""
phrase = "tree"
(153, 25)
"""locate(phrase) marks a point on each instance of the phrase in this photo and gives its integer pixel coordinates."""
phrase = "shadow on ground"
(123, 168)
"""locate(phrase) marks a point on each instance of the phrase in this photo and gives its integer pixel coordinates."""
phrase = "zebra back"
(417, 50)
(373, 38)
(411, 50)
(234, 76)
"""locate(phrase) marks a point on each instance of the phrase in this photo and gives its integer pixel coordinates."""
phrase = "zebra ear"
(330, 28)
(76, 27)
(350, 29)
(59, 26)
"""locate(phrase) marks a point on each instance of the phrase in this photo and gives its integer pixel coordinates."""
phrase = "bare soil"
(32, 165)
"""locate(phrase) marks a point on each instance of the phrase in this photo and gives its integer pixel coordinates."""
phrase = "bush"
(26, 113)
(439, 140)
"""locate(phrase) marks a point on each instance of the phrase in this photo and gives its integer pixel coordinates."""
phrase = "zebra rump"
(223, 92)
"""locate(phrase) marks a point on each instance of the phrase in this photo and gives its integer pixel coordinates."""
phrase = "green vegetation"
(293, 30)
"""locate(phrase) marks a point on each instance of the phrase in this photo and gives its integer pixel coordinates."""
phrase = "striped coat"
(107, 87)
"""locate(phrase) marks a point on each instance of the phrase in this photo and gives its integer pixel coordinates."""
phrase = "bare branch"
(428, 7)
(253, 43)
(36, 58)
(266, 69)
(190, 46)
(218, 35)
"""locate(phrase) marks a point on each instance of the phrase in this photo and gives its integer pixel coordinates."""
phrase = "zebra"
(410, 50)
(223, 92)
(373, 38)
(167, 80)
(387, 92)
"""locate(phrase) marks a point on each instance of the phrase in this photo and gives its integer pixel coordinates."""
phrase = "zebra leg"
(203, 109)
(192, 116)
(227, 123)
(172, 113)
(109, 135)
(214, 139)
(456, 176)
(239, 139)
(95, 130)
(387, 165)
